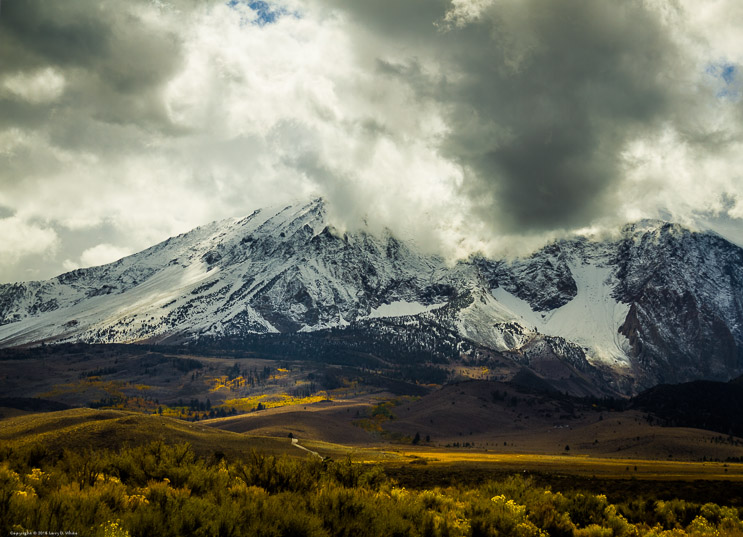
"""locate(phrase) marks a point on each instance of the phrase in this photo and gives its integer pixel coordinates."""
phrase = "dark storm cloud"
(113, 62)
(38, 32)
(540, 97)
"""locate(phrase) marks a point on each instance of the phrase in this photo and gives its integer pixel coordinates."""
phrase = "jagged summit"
(654, 225)
(656, 303)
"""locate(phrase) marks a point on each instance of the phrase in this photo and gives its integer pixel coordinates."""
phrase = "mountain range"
(655, 303)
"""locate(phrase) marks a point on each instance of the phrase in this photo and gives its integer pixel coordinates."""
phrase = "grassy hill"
(84, 428)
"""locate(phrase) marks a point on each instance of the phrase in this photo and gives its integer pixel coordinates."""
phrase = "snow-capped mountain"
(274, 271)
(658, 303)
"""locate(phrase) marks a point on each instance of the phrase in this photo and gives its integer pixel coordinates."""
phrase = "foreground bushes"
(166, 490)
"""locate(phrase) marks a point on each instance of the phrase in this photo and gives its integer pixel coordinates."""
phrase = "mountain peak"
(654, 226)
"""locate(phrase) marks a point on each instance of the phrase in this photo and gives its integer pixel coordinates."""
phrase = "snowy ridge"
(400, 308)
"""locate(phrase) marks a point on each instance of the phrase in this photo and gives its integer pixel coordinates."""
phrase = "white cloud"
(21, 238)
(292, 108)
(100, 254)
(41, 86)
(668, 175)
(464, 12)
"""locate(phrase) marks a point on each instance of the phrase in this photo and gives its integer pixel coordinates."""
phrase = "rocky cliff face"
(686, 305)
(658, 303)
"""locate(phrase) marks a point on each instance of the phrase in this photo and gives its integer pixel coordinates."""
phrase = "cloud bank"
(468, 125)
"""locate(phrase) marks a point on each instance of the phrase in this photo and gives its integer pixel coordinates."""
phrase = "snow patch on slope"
(491, 323)
(591, 319)
(401, 308)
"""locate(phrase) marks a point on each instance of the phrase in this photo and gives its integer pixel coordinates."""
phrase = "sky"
(466, 125)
